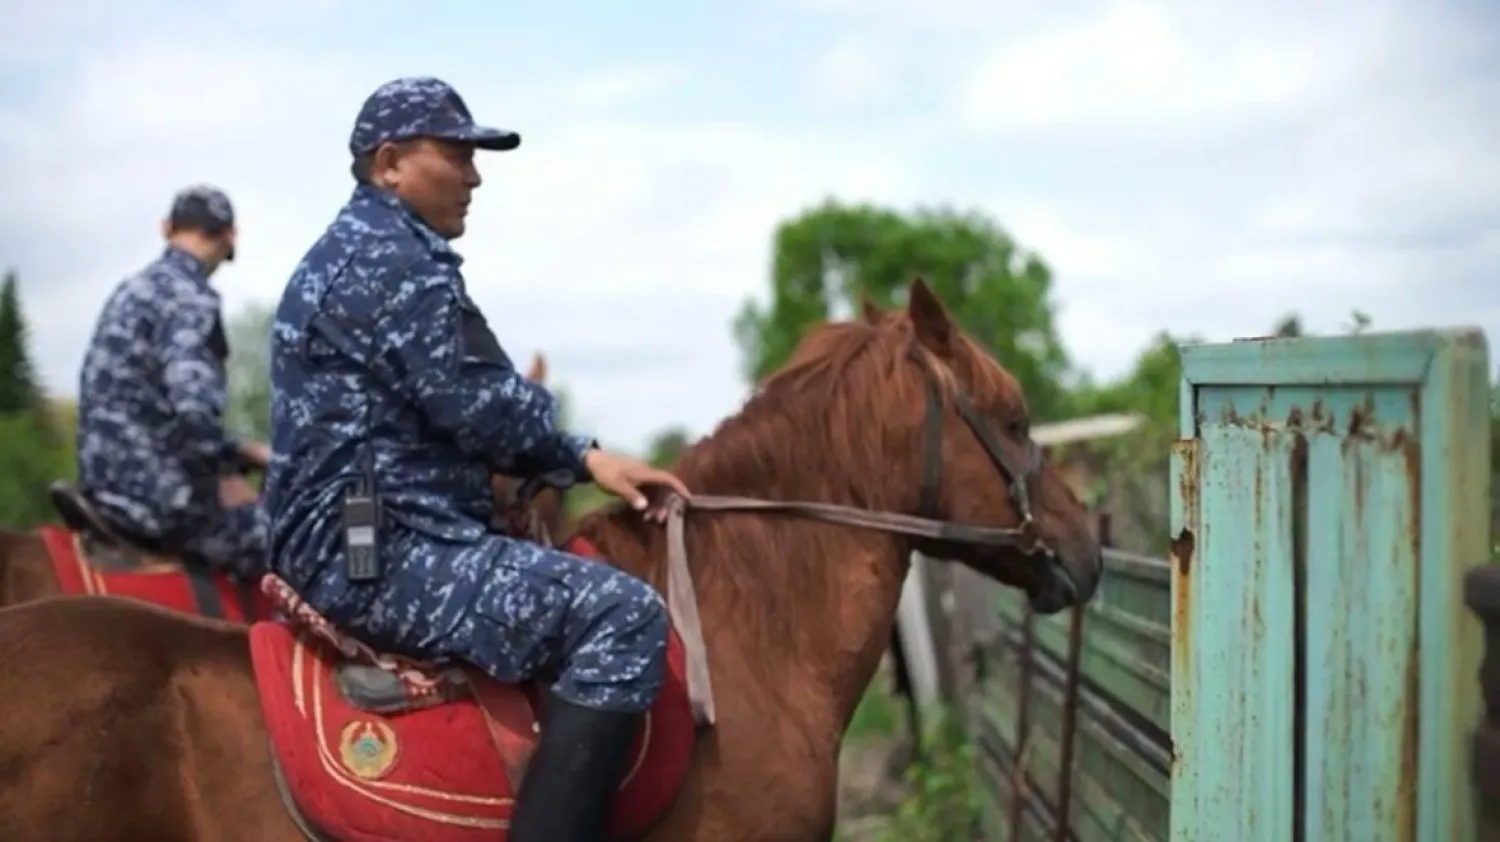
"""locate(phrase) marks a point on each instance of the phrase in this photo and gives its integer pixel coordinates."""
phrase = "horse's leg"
(25, 569)
(901, 678)
(124, 722)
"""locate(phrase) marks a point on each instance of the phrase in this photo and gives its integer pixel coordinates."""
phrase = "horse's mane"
(838, 378)
(787, 443)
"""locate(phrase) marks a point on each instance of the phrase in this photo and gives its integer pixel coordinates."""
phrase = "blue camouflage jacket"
(378, 354)
(151, 396)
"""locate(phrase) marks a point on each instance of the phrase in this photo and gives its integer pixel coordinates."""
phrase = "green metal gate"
(1329, 495)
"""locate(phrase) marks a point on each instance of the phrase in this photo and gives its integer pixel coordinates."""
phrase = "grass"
(936, 799)
(880, 714)
(941, 803)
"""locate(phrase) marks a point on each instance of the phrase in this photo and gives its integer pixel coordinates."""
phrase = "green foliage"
(878, 714)
(1150, 388)
(35, 448)
(1495, 468)
(583, 499)
(30, 458)
(666, 446)
(826, 257)
(943, 801)
(1290, 327)
(19, 389)
(249, 372)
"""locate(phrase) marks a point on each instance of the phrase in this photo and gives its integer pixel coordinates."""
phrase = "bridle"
(682, 599)
(1024, 536)
(1018, 477)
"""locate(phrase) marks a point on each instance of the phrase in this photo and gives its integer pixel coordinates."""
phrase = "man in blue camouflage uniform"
(392, 404)
(153, 455)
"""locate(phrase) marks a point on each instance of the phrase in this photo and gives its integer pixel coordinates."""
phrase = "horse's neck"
(799, 602)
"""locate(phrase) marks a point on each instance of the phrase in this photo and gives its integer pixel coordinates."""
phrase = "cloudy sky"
(1197, 167)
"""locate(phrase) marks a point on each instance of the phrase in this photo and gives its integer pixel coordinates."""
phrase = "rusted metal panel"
(1455, 490)
(1361, 594)
(1330, 493)
(1233, 636)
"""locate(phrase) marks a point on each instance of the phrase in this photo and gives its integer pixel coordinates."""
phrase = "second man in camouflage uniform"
(153, 454)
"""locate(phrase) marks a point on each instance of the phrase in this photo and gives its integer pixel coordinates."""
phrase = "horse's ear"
(934, 326)
(872, 312)
(538, 371)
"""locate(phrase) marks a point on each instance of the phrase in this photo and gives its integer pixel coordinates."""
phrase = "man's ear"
(384, 171)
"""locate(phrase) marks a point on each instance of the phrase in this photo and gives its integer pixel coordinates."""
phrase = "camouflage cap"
(201, 206)
(421, 106)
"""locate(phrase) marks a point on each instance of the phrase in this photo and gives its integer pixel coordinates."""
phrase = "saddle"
(110, 547)
(371, 746)
(96, 556)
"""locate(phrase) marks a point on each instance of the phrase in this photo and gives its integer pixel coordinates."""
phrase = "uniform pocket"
(525, 587)
(478, 341)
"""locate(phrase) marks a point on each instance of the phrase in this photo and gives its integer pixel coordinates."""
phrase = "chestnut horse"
(27, 571)
(123, 721)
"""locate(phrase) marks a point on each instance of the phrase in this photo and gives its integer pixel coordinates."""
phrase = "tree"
(1290, 327)
(31, 454)
(1495, 467)
(666, 446)
(1150, 388)
(19, 390)
(30, 459)
(249, 372)
(827, 256)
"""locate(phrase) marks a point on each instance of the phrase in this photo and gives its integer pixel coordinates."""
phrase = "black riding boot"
(574, 774)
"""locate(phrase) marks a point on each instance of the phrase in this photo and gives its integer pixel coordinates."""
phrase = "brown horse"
(127, 722)
(29, 571)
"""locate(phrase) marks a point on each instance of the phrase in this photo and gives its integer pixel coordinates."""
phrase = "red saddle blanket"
(440, 763)
(160, 581)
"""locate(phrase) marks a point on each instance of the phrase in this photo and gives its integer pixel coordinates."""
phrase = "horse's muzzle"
(1056, 591)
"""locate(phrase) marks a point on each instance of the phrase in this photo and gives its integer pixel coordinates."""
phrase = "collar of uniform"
(185, 263)
(369, 195)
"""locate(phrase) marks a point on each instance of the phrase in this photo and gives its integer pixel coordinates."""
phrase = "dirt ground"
(869, 788)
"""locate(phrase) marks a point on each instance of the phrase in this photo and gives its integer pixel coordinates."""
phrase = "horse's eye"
(1020, 428)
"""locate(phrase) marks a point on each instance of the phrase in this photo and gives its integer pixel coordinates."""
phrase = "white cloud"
(1145, 62)
(625, 243)
(622, 86)
(854, 71)
(1199, 169)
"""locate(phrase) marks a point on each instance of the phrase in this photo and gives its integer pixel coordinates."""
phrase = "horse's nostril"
(1056, 593)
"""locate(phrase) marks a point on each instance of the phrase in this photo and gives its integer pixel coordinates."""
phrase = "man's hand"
(234, 491)
(623, 477)
(257, 453)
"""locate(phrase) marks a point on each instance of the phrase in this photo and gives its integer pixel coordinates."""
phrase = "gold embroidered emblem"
(368, 748)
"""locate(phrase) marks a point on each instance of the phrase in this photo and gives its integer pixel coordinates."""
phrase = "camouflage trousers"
(231, 540)
(515, 610)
